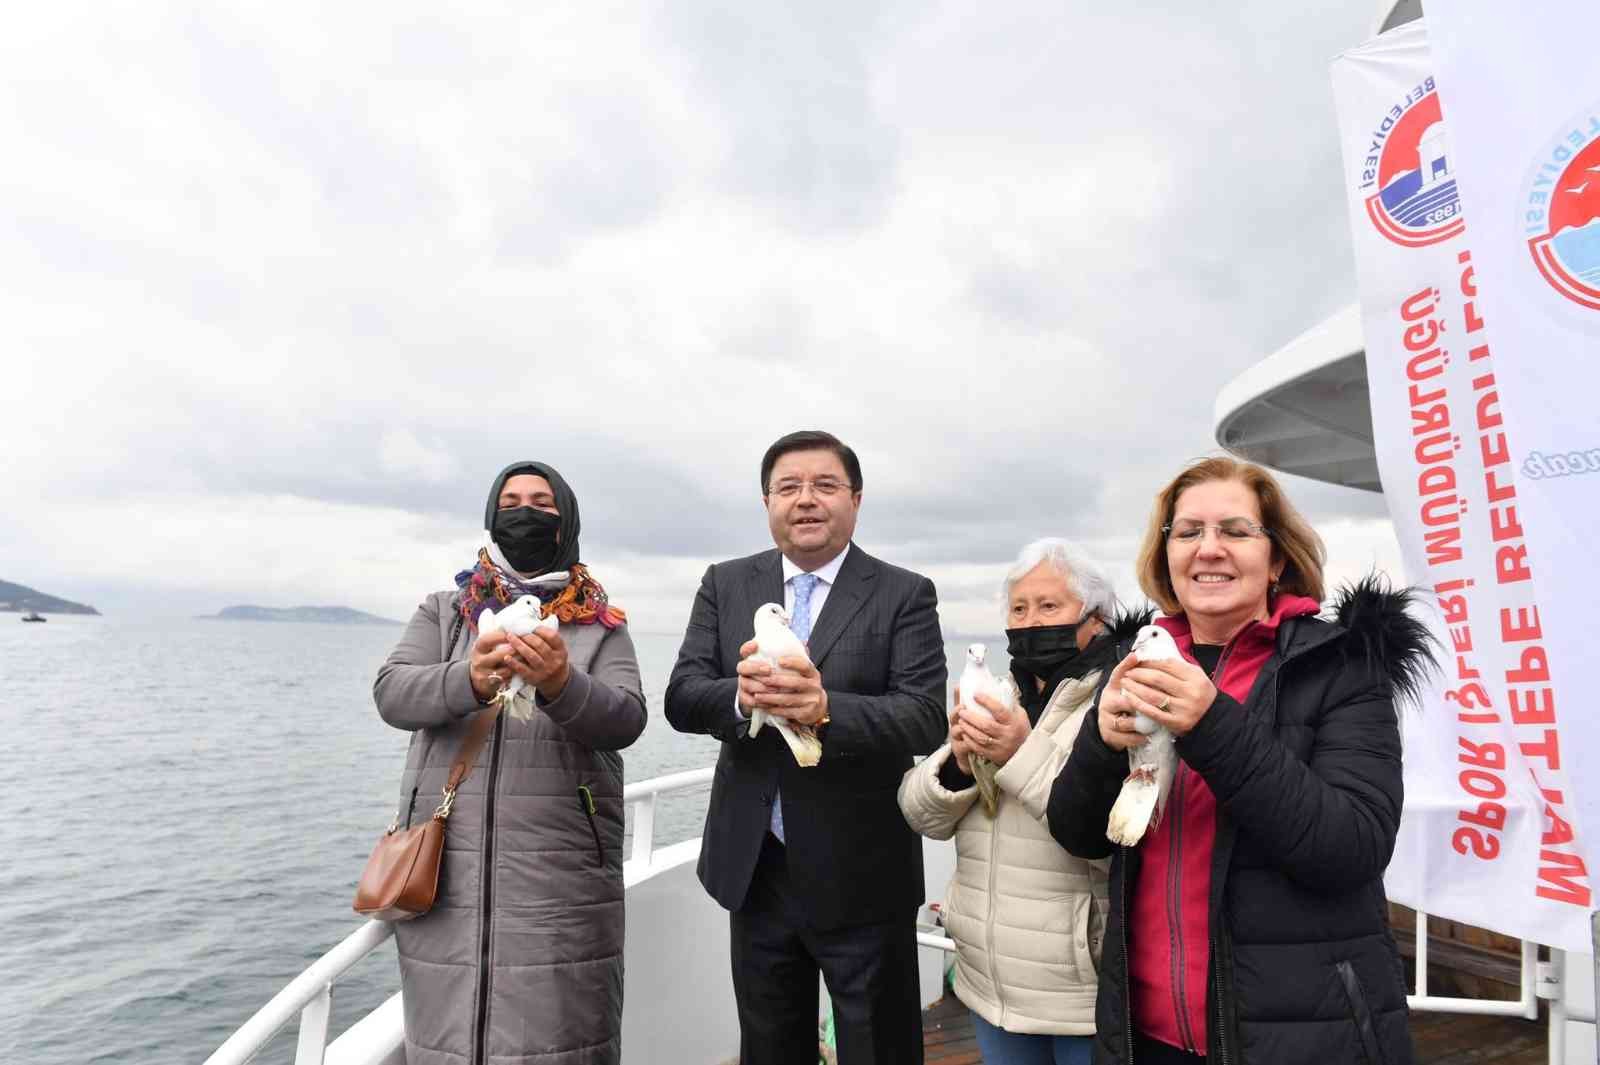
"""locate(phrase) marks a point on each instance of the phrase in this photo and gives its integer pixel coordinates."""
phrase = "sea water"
(187, 805)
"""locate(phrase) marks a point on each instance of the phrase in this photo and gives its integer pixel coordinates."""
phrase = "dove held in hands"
(519, 618)
(1151, 765)
(774, 642)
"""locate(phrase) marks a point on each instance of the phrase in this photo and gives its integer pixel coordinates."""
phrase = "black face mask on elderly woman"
(528, 537)
(1044, 649)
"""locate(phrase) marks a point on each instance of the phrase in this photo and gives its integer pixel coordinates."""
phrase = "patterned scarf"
(581, 601)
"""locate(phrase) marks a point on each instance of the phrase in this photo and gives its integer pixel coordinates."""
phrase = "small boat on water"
(34, 615)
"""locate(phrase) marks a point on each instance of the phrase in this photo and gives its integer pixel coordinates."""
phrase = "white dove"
(519, 617)
(1151, 766)
(977, 680)
(774, 640)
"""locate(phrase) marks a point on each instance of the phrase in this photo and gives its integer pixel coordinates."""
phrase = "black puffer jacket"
(1306, 776)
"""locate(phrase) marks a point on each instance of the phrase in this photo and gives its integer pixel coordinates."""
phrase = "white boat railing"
(641, 798)
(310, 995)
(1526, 1004)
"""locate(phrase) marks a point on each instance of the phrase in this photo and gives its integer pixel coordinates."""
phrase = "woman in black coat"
(1249, 924)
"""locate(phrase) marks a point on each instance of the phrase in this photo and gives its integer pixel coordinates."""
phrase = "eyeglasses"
(1233, 531)
(822, 488)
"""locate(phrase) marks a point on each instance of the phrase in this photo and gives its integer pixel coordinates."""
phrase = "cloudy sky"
(285, 285)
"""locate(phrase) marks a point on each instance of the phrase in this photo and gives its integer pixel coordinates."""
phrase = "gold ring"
(497, 680)
(1165, 703)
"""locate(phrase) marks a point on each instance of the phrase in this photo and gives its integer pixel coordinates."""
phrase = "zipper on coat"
(410, 807)
(1212, 940)
(994, 970)
(1180, 997)
(1127, 967)
(480, 1034)
(1216, 962)
(1360, 1012)
(1220, 965)
(586, 803)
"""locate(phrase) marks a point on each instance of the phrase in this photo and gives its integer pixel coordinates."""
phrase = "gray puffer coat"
(523, 965)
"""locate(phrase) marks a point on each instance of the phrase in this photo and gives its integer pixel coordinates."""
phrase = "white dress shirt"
(825, 575)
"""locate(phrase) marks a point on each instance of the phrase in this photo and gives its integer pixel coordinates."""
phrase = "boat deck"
(1441, 1038)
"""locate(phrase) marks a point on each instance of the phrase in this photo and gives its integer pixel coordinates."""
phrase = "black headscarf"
(566, 503)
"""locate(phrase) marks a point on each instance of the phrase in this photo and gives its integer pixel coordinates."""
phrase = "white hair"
(1086, 579)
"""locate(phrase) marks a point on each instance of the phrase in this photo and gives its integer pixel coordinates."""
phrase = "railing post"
(1530, 979)
(1550, 988)
(1594, 944)
(313, 1039)
(308, 996)
(1422, 954)
(644, 828)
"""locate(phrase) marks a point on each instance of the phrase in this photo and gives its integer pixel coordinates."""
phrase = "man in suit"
(816, 865)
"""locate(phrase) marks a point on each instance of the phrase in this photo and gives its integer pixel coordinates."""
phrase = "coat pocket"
(1361, 1013)
(1086, 933)
(1097, 932)
(586, 804)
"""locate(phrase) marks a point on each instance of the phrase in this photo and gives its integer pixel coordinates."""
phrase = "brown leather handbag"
(402, 874)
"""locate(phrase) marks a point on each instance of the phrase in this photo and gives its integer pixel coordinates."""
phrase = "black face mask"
(527, 537)
(1045, 649)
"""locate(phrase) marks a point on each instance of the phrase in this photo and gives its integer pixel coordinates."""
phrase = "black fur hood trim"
(1378, 627)
(1125, 624)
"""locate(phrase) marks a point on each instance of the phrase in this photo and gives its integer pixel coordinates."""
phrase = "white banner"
(1521, 91)
(1491, 834)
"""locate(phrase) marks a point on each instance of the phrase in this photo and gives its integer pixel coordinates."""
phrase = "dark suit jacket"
(878, 647)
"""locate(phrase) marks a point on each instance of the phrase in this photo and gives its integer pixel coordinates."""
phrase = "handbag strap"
(477, 735)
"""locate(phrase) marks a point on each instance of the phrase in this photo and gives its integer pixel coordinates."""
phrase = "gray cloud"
(365, 174)
(606, 173)
(322, 279)
(793, 85)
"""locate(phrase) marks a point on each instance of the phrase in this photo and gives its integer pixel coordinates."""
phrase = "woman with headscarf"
(1027, 917)
(521, 955)
(1248, 924)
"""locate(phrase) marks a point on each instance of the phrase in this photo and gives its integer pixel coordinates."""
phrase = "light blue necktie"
(800, 624)
(800, 617)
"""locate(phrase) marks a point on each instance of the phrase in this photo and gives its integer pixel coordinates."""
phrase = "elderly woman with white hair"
(1027, 917)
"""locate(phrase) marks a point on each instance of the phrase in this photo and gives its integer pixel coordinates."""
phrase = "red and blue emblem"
(1561, 211)
(1416, 203)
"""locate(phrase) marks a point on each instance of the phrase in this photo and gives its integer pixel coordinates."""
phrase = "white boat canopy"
(1304, 409)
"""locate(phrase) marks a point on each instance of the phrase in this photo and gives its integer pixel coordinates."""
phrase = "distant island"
(331, 615)
(18, 598)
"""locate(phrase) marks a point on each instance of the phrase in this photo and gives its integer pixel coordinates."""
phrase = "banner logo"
(1409, 165)
(1561, 211)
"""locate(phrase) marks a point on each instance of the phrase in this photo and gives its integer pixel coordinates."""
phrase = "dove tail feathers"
(983, 771)
(807, 752)
(1137, 809)
(805, 745)
(515, 700)
(802, 740)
